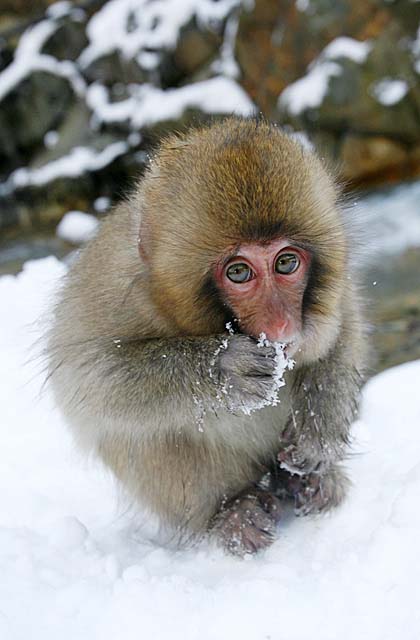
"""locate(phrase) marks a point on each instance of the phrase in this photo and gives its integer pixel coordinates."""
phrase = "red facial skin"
(269, 302)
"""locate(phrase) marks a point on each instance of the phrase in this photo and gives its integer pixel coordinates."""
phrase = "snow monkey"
(164, 348)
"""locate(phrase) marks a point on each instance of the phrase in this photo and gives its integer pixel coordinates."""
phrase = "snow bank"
(73, 565)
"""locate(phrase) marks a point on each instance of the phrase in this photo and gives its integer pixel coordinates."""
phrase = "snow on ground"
(74, 564)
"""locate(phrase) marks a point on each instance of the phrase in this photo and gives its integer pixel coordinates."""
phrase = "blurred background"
(87, 89)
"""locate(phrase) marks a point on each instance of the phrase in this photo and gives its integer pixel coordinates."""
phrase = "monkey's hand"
(248, 374)
(316, 491)
(247, 523)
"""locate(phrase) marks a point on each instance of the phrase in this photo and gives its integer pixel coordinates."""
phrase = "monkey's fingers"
(271, 504)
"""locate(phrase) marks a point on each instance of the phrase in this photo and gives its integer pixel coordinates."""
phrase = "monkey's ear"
(144, 241)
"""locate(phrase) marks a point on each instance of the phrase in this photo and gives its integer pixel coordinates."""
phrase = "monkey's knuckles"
(294, 461)
(315, 493)
(245, 357)
(248, 524)
(247, 371)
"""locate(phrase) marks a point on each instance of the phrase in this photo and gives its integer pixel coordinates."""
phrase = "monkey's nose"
(279, 331)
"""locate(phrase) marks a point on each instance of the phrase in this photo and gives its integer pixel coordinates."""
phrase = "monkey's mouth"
(289, 347)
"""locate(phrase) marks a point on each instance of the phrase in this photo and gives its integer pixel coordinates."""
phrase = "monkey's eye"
(239, 272)
(287, 263)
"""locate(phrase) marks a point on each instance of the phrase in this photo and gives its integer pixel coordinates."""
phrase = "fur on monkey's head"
(238, 181)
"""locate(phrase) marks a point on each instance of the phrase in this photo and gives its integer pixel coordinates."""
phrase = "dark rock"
(13, 213)
(275, 45)
(363, 156)
(6, 55)
(20, 7)
(196, 48)
(33, 107)
(112, 68)
(68, 41)
(351, 105)
(47, 202)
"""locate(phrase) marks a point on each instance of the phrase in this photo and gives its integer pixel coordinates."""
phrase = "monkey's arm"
(133, 380)
(325, 401)
(317, 435)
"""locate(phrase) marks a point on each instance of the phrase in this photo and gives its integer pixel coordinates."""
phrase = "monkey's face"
(238, 221)
(263, 284)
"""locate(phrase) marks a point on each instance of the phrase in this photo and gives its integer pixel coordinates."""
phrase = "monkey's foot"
(316, 492)
(247, 523)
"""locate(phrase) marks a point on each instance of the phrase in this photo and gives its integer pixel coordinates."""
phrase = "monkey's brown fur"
(134, 350)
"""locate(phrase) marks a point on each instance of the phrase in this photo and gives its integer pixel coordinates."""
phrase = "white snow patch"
(27, 59)
(309, 92)
(77, 162)
(389, 91)
(302, 5)
(77, 227)
(345, 47)
(134, 27)
(71, 568)
(302, 138)
(148, 60)
(102, 204)
(149, 104)
(226, 64)
(59, 9)
(50, 139)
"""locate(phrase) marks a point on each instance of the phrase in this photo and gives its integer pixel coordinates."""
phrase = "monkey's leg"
(184, 480)
(314, 492)
(248, 522)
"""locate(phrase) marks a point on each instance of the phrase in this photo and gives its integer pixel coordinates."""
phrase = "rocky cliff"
(87, 88)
